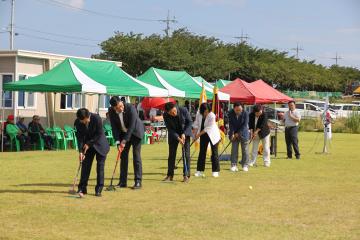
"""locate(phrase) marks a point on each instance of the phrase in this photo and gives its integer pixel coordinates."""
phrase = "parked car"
(345, 110)
(307, 110)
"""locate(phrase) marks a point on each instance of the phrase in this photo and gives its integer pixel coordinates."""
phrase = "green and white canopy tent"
(210, 88)
(87, 76)
(179, 83)
(222, 83)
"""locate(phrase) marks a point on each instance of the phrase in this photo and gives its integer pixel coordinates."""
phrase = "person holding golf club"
(259, 131)
(206, 129)
(128, 130)
(239, 134)
(91, 142)
(178, 122)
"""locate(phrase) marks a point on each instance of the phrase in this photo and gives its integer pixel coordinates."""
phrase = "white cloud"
(75, 3)
(220, 2)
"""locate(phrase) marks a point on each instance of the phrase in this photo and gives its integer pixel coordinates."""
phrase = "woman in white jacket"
(206, 129)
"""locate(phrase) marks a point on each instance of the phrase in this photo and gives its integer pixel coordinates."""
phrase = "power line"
(56, 41)
(57, 34)
(65, 5)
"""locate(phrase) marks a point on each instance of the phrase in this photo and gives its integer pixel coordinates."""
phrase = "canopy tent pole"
(2, 120)
(47, 108)
(98, 104)
(54, 122)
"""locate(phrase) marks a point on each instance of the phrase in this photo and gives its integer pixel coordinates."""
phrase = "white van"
(307, 110)
(345, 110)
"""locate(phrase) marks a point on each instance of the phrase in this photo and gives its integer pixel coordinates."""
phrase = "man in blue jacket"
(178, 122)
(239, 134)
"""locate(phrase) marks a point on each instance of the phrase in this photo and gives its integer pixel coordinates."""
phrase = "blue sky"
(320, 27)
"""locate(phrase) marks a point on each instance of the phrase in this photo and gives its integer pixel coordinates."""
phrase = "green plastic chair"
(147, 135)
(58, 137)
(69, 134)
(14, 142)
(40, 145)
(108, 134)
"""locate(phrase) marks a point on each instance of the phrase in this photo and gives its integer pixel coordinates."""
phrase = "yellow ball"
(250, 187)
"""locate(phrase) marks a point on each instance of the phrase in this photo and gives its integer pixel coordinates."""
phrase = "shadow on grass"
(32, 191)
(44, 185)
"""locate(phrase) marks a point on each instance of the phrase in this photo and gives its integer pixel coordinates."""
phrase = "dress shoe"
(186, 179)
(121, 185)
(98, 194)
(83, 191)
(137, 185)
(168, 179)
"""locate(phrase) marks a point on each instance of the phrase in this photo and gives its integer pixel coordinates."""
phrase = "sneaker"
(215, 174)
(245, 169)
(199, 174)
(234, 168)
(266, 164)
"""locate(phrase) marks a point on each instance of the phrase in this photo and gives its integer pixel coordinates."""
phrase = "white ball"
(250, 187)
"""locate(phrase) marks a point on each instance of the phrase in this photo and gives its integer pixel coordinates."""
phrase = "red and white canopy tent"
(257, 92)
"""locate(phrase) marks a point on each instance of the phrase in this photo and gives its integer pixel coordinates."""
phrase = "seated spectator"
(21, 125)
(13, 131)
(153, 114)
(35, 128)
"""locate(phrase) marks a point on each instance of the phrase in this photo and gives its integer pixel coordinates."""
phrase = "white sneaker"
(245, 169)
(266, 164)
(215, 174)
(199, 174)
(234, 168)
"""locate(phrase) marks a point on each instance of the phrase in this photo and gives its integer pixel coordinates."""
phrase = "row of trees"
(213, 59)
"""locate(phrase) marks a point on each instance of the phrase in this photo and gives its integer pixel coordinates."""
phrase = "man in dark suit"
(260, 131)
(128, 130)
(239, 134)
(91, 142)
(178, 122)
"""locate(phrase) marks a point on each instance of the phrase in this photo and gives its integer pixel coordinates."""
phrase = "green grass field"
(317, 197)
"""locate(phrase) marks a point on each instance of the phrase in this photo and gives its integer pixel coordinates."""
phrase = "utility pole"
(336, 58)
(12, 25)
(168, 21)
(297, 49)
(243, 38)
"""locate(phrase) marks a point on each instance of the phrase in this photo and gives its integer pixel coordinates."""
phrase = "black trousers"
(291, 138)
(173, 146)
(204, 142)
(136, 144)
(86, 169)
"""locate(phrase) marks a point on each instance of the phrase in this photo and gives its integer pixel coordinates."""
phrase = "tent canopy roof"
(179, 83)
(252, 93)
(86, 76)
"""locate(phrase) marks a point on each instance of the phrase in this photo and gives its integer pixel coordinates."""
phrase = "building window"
(25, 99)
(104, 101)
(6, 78)
(72, 101)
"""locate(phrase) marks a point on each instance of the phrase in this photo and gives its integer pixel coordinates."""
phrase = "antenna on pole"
(297, 49)
(243, 37)
(336, 58)
(168, 20)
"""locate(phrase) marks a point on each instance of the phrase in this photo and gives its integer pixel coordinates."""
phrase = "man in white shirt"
(291, 120)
